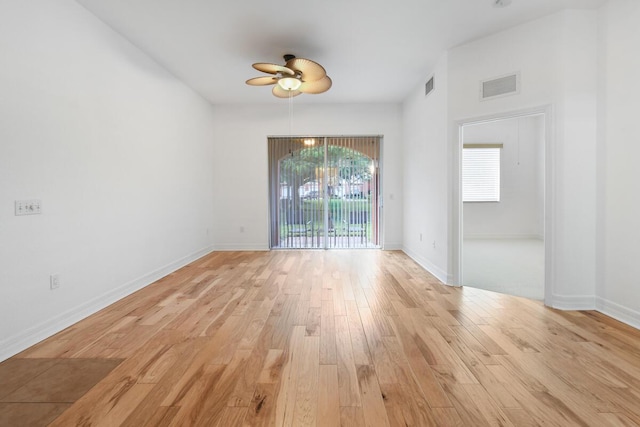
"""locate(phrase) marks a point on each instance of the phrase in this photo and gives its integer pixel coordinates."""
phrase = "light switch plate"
(28, 207)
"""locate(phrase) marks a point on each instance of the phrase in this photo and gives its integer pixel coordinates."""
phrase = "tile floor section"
(34, 392)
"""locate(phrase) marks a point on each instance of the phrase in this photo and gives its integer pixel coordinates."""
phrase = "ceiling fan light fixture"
(289, 83)
(298, 75)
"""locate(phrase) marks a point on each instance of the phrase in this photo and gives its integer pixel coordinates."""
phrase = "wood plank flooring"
(352, 338)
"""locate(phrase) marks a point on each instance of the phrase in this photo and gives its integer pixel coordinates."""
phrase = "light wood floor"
(347, 338)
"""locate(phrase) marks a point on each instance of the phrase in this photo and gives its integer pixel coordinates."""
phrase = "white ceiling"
(374, 50)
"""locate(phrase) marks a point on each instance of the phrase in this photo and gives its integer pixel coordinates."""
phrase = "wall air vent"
(500, 86)
(428, 87)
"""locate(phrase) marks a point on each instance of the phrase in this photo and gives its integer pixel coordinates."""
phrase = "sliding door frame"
(376, 206)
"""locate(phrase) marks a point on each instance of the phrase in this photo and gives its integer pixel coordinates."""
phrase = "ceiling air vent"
(428, 87)
(501, 86)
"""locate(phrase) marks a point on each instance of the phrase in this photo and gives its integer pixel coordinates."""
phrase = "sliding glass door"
(324, 192)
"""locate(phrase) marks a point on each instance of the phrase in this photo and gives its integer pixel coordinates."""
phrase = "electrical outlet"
(434, 244)
(421, 237)
(54, 281)
(28, 207)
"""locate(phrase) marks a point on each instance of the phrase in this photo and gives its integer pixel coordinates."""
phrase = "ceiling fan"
(297, 76)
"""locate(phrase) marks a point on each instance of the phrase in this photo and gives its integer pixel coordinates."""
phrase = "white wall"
(574, 165)
(240, 163)
(426, 174)
(118, 151)
(619, 149)
(557, 60)
(520, 212)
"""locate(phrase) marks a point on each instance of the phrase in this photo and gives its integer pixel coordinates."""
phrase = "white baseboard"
(241, 247)
(392, 247)
(503, 237)
(573, 302)
(618, 312)
(427, 265)
(25, 339)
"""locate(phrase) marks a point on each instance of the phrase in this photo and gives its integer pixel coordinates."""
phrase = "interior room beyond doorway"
(503, 234)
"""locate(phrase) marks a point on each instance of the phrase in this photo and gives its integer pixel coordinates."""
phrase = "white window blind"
(481, 172)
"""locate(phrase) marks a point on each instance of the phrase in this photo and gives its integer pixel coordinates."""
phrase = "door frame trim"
(456, 206)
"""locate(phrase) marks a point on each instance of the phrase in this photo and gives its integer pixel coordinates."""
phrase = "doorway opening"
(324, 192)
(503, 174)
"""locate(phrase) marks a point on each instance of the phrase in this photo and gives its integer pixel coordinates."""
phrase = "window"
(481, 172)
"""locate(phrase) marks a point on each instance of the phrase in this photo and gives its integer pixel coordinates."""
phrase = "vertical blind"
(324, 191)
(481, 172)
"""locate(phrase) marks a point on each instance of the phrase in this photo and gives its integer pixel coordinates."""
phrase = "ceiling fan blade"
(262, 81)
(281, 93)
(273, 68)
(319, 86)
(311, 71)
